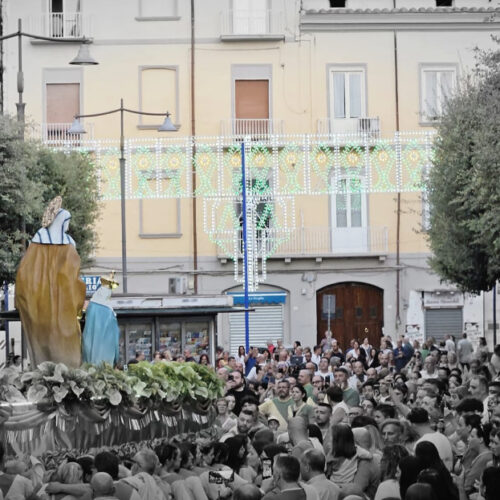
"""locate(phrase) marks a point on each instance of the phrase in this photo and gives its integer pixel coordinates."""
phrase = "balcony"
(56, 134)
(238, 25)
(258, 129)
(316, 242)
(67, 25)
(354, 128)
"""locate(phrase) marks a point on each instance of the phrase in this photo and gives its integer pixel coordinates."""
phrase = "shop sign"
(443, 299)
(262, 298)
(91, 283)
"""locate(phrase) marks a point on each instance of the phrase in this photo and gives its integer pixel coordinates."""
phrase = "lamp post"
(77, 129)
(83, 58)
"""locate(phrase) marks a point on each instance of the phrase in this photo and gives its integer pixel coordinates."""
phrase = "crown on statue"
(109, 281)
(51, 211)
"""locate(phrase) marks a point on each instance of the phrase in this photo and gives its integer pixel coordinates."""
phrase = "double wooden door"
(354, 311)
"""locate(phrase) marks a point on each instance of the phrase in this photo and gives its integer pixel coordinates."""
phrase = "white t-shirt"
(450, 345)
(443, 445)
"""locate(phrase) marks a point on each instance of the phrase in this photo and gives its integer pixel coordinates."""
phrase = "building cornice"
(417, 19)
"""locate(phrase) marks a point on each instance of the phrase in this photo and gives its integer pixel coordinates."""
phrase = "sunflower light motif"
(322, 160)
(109, 167)
(383, 161)
(291, 159)
(142, 172)
(205, 162)
(413, 163)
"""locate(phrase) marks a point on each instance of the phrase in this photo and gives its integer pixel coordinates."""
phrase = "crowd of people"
(395, 421)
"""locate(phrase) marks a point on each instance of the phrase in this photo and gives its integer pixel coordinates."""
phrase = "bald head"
(297, 430)
(362, 437)
(102, 484)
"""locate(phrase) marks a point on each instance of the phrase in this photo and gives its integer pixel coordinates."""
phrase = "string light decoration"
(280, 170)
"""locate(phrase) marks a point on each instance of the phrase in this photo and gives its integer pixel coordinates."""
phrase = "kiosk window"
(140, 339)
(170, 337)
(196, 338)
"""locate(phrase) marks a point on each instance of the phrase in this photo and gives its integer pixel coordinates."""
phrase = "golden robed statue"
(49, 292)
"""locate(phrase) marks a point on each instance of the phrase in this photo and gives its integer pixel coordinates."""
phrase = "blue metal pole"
(6, 308)
(245, 247)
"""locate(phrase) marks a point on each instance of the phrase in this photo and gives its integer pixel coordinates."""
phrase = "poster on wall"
(413, 332)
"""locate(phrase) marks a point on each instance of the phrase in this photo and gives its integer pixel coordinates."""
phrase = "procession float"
(64, 404)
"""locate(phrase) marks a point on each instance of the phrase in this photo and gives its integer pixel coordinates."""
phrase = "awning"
(13, 315)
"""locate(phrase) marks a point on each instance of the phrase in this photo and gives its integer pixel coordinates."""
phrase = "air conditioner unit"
(177, 286)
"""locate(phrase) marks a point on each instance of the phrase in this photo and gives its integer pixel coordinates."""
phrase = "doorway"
(353, 310)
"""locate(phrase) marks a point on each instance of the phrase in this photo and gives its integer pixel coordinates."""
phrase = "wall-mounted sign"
(262, 298)
(91, 283)
(443, 299)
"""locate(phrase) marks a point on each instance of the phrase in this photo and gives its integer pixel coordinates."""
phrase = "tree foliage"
(464, 186)
(30, 176)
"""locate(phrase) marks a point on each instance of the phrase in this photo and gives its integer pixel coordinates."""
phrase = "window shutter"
(339, 95)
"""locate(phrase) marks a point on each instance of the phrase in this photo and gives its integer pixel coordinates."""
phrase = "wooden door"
(358, 312)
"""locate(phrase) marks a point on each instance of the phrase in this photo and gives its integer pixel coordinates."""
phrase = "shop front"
(150, 324)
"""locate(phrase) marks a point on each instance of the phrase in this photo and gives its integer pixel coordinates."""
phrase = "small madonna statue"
(101, 335)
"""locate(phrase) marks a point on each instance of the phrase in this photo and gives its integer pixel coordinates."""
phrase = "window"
(348, 90)
(438, 84)
(251, 100)
(64, 18)
(348, 202)
(349, 216)
(158, 93)
(62, 104)
(158, 9)
(337, 3)
(251, 107)
(250, 17)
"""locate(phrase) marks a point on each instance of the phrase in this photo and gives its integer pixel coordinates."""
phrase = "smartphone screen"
(267, 468)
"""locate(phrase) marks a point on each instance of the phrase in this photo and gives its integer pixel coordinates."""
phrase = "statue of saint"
(101, 335)
(49, 292)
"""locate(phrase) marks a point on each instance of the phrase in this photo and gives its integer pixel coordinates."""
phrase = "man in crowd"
(278, 406)
(238, 389)
(312, 471)
(286, 474)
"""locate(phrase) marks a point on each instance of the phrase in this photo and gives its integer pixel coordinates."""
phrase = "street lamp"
(83, 58)
(77, 129)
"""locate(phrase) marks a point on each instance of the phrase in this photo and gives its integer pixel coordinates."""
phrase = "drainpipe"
(398, 209)
(193, 172)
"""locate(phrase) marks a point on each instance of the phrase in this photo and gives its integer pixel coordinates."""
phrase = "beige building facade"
(337, 103)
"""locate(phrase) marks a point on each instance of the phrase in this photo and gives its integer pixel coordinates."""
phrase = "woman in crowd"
(409, 469)
(389, 471)
(241, 356)
(429, 456)
(356, 353)
(349, 464)
(372, 360)
(300, 408)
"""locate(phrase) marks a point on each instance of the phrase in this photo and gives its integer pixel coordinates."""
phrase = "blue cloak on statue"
(101, 335)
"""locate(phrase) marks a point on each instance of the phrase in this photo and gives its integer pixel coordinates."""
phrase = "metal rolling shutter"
(441, 322)
(266, 323)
